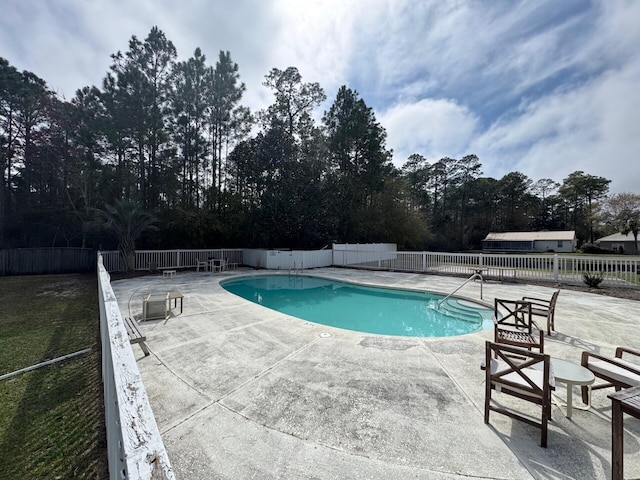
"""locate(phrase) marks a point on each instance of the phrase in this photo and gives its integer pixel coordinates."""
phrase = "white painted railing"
(112, 261)
(134, 446)
(556, 268)
(616, 270)
(166, 259)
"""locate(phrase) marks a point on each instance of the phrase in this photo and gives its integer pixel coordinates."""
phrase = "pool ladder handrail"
(472, 277)
(296, 271)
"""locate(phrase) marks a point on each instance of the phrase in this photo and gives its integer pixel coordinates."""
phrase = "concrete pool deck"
(240, 391)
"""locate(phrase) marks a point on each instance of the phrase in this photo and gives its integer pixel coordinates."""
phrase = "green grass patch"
(52, 418)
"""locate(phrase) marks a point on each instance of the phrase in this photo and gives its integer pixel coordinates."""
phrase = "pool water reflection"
(361, 308)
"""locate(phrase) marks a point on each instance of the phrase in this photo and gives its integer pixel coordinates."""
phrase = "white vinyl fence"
(619, 270)
(134, 446)
(616, 270)
(288, 259)
(169, 259)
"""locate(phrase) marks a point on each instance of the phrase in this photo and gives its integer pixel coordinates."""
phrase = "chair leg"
(585, 394)
(546, 411)
(487, 393)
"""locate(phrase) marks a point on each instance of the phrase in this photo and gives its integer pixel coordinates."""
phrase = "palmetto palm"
(126, 220)
(632, 225)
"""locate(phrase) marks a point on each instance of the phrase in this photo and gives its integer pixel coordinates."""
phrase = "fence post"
(555, 268)
(480, 260)
(179, 261)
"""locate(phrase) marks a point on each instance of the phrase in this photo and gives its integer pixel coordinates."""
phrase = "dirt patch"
(63, 286)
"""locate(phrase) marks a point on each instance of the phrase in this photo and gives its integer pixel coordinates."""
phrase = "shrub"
(590, 248)
(593, 280)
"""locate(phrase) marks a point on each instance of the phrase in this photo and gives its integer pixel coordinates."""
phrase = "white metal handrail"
(472, 277)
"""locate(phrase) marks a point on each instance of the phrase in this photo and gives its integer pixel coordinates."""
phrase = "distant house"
(618, 242)
(563, 242)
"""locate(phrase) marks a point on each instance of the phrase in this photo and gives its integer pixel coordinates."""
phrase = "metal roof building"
(563, 241)
(618, 242)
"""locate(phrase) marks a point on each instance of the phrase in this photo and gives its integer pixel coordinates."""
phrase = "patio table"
(625, 401)
(216, 264)
(571, 374)
(175, 296)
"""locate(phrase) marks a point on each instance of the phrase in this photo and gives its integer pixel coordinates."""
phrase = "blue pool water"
(366, 309)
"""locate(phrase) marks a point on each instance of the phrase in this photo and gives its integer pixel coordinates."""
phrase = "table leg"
(617, 469)
(568, 404)
(588, 405)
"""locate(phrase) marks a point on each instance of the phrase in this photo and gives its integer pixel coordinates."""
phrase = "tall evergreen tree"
(10, 81)
(360, 163)
(514, 202)
(582, 192)
(228, 121)
(469, 169)
(140, 80)
(294, 102)
(191, 108)
(416, 172)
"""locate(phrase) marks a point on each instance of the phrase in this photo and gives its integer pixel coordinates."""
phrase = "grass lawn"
(51, 418)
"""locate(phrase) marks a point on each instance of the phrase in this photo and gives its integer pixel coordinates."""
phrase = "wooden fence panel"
(29, 261)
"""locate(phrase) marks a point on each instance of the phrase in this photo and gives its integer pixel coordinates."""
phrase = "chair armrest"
(611, 360)
(537, 301)
(586, 355)
(529, 299)
(621, 350)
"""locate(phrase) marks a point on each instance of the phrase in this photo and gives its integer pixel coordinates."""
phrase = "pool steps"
(452, 306)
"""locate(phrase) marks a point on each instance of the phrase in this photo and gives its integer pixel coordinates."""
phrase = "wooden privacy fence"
(26, 261)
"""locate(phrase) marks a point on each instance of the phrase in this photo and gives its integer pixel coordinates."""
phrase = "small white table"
(571, 374)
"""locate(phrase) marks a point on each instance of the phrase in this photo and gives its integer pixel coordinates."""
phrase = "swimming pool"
(350, 306)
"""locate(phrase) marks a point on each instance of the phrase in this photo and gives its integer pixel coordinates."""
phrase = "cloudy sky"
(543, 87)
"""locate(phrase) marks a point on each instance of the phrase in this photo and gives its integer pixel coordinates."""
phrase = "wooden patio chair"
(519, 379)
(514, 325)
(544, 308)
(617, 372)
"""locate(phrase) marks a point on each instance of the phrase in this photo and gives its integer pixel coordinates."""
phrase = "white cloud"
(542, 87)
(593, 128)
(432, 128)
(317, 38)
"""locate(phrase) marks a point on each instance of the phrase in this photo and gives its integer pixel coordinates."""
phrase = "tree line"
(171, 142)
